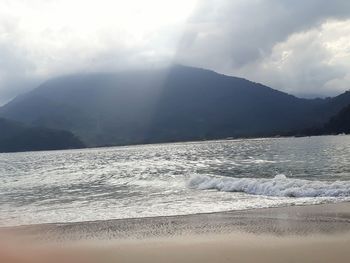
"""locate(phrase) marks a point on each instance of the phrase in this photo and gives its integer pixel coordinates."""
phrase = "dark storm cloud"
(237, 36)
(244, 31)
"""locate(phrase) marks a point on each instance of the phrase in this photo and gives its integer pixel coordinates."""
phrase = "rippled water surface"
(171, 179)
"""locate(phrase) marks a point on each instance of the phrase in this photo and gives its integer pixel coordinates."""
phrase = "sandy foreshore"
(315, 233)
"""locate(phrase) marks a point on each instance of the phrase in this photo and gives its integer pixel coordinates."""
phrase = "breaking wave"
(280, 185)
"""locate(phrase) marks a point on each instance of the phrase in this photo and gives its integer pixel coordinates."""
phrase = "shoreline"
(280, 221)
(169, 216)
(311, 233)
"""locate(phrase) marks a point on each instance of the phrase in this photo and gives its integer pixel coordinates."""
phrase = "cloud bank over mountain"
(295, 46)
(302, 47)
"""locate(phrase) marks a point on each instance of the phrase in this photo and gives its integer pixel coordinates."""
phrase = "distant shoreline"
(218, 139)
(179, 142)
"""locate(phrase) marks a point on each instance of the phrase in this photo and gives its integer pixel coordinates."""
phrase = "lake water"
(172, 179)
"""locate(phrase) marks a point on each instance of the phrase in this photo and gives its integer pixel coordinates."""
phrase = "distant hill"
(16, 137)
(162, 105)
(340, 123)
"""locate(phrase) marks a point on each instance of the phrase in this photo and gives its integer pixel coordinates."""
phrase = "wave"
(280, 186)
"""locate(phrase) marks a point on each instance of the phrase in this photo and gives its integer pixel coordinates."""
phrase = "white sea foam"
(280, 185)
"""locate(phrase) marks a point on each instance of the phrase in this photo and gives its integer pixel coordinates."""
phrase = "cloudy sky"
(300, 47)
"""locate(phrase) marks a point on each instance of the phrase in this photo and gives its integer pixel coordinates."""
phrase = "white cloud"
(40, 38)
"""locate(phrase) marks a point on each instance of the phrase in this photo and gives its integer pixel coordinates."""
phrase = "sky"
(299, 47)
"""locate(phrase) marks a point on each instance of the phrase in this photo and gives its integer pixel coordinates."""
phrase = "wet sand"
(318, 233)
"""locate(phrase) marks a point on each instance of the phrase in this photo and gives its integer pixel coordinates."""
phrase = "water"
(172, 179)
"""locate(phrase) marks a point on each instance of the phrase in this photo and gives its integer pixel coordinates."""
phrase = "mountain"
(340, 123)
(15, 137)
(170, 104)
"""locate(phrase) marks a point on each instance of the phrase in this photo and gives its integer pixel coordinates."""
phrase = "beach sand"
(316, 233)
